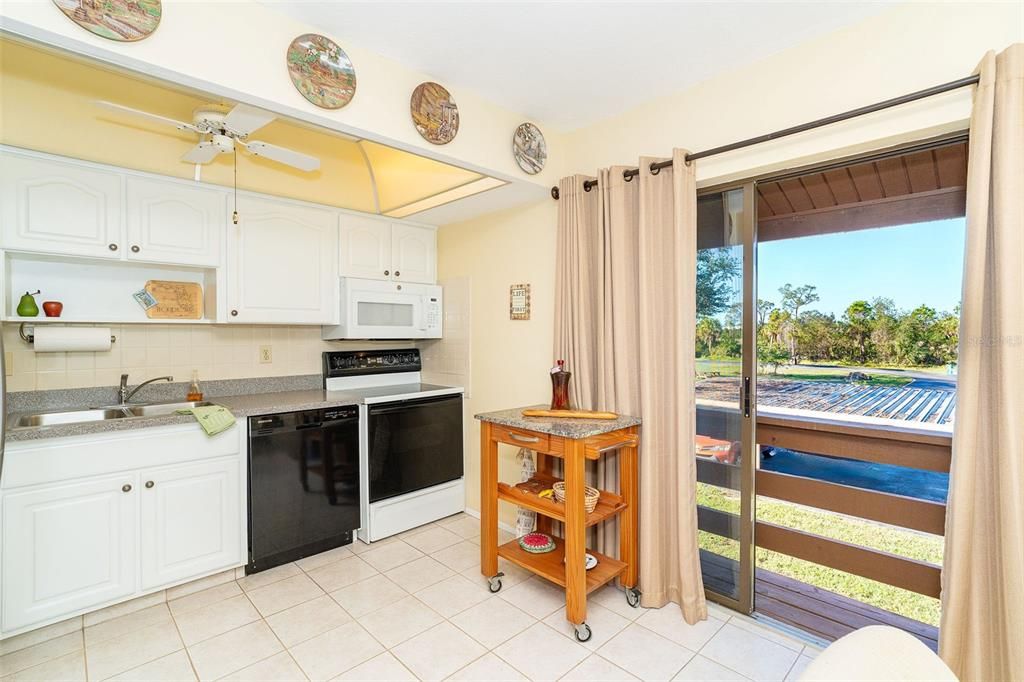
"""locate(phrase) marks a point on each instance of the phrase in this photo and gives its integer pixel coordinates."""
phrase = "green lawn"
(911, 544)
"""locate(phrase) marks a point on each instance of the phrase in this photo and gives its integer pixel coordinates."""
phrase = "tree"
(794, 298)
(717, 270)
(764, 308)
(772, 354)
(708, 332)
(858, 321)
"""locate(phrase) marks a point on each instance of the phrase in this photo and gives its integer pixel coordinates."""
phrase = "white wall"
(903, 50)
(237, 50)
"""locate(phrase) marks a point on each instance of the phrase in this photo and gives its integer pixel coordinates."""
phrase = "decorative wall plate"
(122, 20)
(321, 71)
(529, 148)
(434, 113)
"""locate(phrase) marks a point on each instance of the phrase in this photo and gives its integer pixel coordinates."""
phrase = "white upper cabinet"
(51, 206)
(365, 247)
(375, 249)
(414, 253)
(67, 548)
(189, 520)
(174, 222)
(282, 265)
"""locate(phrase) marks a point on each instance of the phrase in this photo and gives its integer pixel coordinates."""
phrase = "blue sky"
(911, 264)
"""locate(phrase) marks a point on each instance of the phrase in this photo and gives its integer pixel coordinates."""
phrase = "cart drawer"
(530, 440)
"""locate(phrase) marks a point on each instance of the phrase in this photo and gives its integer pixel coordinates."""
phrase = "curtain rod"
(629, 174)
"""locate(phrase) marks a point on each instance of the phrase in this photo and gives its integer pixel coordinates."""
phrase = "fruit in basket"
(537, 543)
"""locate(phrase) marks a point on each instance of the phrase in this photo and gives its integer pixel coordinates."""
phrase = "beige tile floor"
(411, 607)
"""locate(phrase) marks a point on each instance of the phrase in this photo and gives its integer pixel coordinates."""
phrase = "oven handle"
(389, 408)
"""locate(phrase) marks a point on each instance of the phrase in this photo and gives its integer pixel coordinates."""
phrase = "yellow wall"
(510, 358)
(47, 104)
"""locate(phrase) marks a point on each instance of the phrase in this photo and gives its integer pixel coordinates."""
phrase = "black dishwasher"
(303, 484)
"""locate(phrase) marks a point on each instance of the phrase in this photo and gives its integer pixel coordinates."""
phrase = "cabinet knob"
(126, 488)
(112, 247)
(397, 273)
(234, 313)
(150, 484)
(399, 287)
(135, 249)
(387, 272)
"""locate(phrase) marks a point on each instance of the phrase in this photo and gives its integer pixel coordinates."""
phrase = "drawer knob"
(150, 484)
(126, 488)
(135, 249)
(387, 272)
(234, 313)
(112, 247)
(397, 273)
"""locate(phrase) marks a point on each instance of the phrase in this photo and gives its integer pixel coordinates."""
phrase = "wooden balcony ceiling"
(915, 187)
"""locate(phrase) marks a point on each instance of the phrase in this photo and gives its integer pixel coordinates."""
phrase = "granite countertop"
(241, 406)
(557, 426)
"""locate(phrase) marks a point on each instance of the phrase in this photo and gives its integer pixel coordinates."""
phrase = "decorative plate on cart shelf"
(589, 562)
(321, 71)
(123, 20)
(537, 543)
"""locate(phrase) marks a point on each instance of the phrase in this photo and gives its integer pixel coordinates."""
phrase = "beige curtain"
(627, 276)
(983, 573)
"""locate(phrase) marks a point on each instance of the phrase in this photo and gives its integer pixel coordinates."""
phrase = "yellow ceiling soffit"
(469, 189)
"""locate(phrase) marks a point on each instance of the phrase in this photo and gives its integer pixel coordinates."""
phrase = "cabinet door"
(282, 267)
(189, 521)
(67, 548)
(171, 222)
(56, 207)
(414, 253)
(365, 248)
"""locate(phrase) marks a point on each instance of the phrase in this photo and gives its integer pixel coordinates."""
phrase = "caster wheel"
(583, 633)
(494, 583)
(633, 597)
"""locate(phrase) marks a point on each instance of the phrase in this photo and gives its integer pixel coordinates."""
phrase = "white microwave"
(376, 309)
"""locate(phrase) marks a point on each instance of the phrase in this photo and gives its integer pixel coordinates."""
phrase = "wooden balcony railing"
(896, 445)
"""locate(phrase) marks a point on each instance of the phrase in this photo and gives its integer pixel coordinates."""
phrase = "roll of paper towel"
(57, 339)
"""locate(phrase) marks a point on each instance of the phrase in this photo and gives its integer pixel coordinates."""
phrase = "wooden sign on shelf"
(175, 300)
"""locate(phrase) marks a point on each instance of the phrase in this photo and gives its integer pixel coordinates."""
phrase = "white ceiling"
(569, 64)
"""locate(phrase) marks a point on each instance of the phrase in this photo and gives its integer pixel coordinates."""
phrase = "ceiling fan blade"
(204, 152)
(244, 119)
(281, 155)
(121, 109)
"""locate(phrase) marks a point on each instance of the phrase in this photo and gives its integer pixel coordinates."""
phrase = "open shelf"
(551, 565)
(608, 504)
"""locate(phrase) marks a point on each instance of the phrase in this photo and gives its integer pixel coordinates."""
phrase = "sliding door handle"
(746, 396)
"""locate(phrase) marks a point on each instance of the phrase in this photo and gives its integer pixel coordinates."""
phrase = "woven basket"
(590, 495)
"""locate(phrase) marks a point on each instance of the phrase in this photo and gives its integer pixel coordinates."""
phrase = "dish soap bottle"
(560, 386)
(195, 394)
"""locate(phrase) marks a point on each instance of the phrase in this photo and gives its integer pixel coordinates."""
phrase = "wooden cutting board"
(175, 300)
(570, 414)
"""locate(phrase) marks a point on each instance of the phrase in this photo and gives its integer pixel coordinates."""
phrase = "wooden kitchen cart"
(574, 441)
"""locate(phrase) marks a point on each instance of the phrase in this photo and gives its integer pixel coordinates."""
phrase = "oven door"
(413, 444)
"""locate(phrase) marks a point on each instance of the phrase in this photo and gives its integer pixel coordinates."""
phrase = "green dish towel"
(213, 418)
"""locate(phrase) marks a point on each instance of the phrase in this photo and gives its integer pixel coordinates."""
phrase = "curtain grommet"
(655, 170)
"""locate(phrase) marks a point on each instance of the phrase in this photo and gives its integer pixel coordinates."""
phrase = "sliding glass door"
(725, 367)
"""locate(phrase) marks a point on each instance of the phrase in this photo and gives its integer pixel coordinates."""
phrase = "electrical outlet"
(266, 355)
(9, 362)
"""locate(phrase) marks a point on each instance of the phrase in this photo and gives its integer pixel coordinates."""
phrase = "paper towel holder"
(30, 338)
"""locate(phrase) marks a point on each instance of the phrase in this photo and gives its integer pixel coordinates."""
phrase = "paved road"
(925, 485)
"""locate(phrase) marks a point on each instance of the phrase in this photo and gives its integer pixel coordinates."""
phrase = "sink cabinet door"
(282, 265)
(174, 222)
(67, 548)
(189, 521)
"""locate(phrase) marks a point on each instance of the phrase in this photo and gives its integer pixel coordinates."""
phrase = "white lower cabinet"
(188, 521)
(89, 521)
(67, 548)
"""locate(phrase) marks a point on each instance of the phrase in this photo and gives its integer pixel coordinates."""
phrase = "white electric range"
(410, 439)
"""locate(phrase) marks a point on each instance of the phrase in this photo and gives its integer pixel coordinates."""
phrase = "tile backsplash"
(148, 350)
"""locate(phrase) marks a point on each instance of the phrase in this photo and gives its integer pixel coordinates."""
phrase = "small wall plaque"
(519, 302)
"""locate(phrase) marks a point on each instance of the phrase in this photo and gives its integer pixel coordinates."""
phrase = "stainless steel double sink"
(104, 413)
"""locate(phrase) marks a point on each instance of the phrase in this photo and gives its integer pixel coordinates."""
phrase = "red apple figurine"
(52, 308)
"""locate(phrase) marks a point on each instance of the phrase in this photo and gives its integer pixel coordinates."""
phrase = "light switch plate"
(266, 355)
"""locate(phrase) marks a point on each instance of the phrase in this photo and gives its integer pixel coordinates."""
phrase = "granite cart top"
(557, 426)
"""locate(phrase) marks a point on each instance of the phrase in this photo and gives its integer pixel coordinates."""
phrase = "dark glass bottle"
(560, 386)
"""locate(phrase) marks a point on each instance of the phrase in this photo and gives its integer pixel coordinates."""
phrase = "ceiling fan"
(220, 130)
